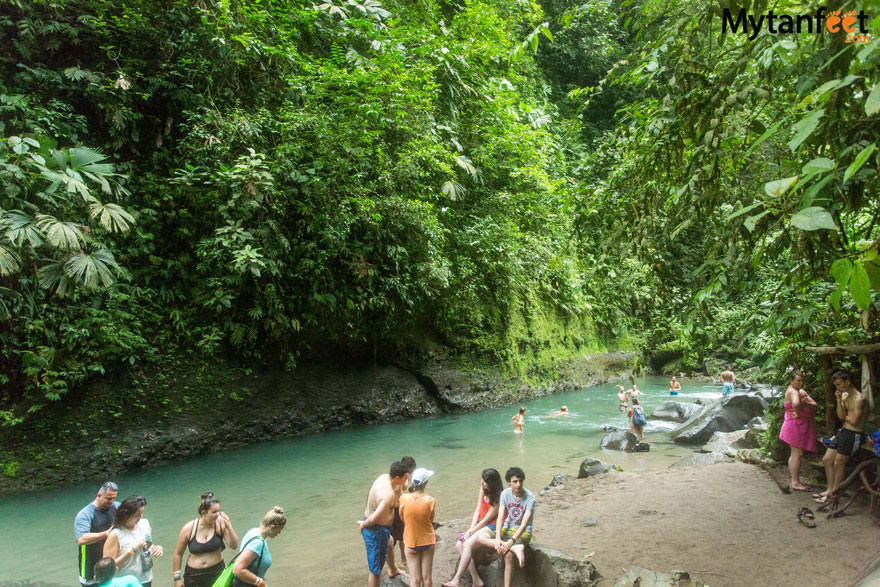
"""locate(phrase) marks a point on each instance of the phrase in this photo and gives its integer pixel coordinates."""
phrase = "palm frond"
(20, 227)
(9, 261)
(91, 270)
(111, 216)
(62, 235)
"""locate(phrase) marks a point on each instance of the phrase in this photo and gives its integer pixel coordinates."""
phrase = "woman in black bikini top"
(205, 538)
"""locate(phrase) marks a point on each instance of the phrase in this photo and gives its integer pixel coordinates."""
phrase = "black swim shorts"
(397, 526)
(846, 442)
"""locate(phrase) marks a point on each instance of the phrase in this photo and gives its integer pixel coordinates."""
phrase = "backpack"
(638, 418)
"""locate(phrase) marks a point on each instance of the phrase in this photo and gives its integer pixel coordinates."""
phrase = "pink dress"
(801, 431)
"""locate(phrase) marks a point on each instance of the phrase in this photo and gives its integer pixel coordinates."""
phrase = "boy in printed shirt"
(516, 514)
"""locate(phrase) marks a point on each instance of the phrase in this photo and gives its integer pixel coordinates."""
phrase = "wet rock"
(642, 447)
(620, 440)
(544, 567)
(727, 443)
(639, 577)
(723, 415)
(675, 411)
(591, 467)
(757, 423)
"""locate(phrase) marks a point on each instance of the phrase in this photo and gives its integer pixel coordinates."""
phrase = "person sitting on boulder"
(515, 517)
(637, 419)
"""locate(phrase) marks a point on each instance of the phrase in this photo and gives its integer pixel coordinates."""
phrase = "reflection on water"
(322, 482)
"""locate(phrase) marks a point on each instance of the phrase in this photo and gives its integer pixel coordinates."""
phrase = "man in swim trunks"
(674, 386)
(91, 528)
(622, 397)
(378, 517)
(849, 438)
(728, 381)
(397, 526)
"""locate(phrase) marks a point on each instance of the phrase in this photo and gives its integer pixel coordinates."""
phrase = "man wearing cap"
(378, 516)
(91, 528)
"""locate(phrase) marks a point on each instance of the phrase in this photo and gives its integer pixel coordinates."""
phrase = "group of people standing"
(116, 547)
(799, 430)
(398, 511)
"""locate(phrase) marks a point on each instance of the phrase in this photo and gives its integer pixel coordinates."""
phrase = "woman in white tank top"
(130, 542)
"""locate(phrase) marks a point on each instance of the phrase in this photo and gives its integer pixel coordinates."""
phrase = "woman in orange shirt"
(417, 513)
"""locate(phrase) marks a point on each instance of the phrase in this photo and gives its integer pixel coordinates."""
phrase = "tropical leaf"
(805, 127)
(91, 270)
(111, 216)
(872, 104)
(858, 161)
(860, 286)
(62, 235)
(20, 228)
(10, 263)
(453, 190)
(813, 218)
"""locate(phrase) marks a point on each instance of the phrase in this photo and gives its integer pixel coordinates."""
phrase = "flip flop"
(805, 516)
(805, 488)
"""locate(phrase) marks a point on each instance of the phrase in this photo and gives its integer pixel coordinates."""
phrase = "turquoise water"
(322, 482)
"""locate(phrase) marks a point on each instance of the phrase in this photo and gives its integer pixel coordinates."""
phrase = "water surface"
(322, 482)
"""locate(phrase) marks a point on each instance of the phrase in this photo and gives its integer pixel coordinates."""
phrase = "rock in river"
(723, 415)
(675, 411)
(591, 467)
(620, 440)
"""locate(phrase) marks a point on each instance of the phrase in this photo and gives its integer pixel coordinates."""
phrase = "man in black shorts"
(850, 437)
(397, 527)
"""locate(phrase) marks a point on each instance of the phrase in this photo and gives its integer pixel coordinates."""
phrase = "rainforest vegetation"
(269, 182)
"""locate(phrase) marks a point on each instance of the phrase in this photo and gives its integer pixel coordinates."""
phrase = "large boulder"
(675, 411)
(639, 577)
(727, 443)
(591, 467)
(726, 414)
(544, 567)
(699, 459)
(620, 440)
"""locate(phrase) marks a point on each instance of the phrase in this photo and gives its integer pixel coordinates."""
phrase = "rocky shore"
(221, 408)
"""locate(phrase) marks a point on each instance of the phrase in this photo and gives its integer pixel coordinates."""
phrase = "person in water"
(398, 526)
(728, 381)
(518, 420)
(674, 386)
(417, 511)
(635, 391)
(483, 521)
(563, 411)
(375, 527)
(206, 537)
(623, 398)
(849, 438)
(637, 419)
(799, 427)
(130, 543)
(254, 559)
(105, 575)
(91, 527)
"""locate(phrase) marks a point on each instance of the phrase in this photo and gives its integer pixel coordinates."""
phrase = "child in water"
(417, 512)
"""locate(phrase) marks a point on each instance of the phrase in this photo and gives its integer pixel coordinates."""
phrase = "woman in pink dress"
(799, 427)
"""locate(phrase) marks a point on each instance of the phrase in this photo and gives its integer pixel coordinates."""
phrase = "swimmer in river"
(563, 411)
(622, 397)
(674, 386)
(518, 420)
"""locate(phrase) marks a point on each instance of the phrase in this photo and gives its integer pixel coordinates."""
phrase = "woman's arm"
(476, 516)
(796, 404)
(241, 571)
(487, 519)
(232, 538)
(111, 549)
(177, 561)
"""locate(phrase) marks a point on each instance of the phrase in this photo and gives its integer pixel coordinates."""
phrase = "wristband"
(130, 552)
(259, 582)
(177, 575)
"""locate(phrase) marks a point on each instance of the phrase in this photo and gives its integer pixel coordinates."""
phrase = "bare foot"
(520, 557)
(394, 573)
(450, 584)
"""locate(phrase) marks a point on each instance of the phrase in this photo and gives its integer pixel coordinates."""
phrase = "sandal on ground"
(805, 516)
(806, 488)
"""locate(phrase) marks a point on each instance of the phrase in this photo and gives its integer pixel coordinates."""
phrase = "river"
(322, 482)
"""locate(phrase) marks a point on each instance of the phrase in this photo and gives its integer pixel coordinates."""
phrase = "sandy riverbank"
(728, 524)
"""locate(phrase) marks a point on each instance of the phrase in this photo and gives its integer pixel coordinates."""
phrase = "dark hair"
(522, 410)
(842, 376)
(410, 464)
(795, 373)
(493, 480)
(398, 469)
(635, 401)
(208, 500)
(514, 472)
(127, 509)
(727, 367)
(105, 569)
(108, 486)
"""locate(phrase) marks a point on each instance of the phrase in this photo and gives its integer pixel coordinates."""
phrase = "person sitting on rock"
(515, 518)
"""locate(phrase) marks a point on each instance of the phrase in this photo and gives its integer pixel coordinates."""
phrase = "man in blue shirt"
(91, 528)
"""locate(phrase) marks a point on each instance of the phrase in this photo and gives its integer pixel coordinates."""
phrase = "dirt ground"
(728, 524)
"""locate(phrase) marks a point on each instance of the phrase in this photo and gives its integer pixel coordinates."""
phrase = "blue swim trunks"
(726, 387)
(376, 542)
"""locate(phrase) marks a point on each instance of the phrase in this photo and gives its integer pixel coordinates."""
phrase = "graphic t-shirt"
(516, 509)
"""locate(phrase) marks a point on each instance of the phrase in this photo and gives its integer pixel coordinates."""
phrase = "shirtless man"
(397, 526)
(563, 411)
(635, 391)
(378, 516)
(674, 386)
(622, 397)
(728, 381)
(518, 420)
(849, 438)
